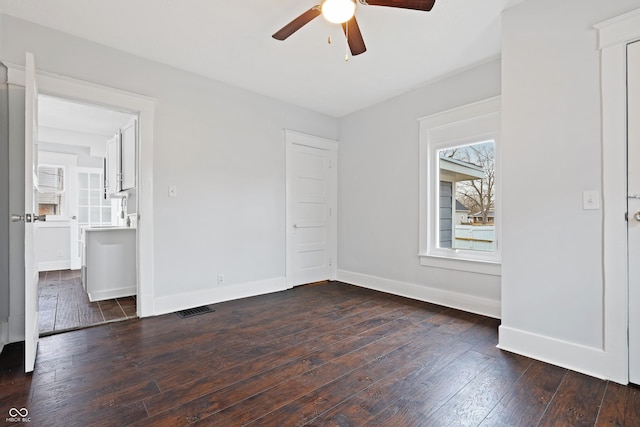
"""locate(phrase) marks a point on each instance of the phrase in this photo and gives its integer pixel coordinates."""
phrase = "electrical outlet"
(60, 254)
(220, 279)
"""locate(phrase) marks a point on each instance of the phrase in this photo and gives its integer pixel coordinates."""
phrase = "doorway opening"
(80, 283)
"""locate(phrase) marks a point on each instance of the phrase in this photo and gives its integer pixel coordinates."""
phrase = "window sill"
(489, 267)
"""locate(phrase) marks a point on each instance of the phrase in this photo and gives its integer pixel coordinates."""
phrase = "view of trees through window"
(470, 172)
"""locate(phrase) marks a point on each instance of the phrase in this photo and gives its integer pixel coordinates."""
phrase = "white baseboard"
(112, 294)
(587, 360)
(4, 335)
(54, 265)
(172, 303)
(470, 303)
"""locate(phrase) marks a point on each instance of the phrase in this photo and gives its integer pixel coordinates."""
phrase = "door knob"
(28, 217)
(637, 216)
(34, 218)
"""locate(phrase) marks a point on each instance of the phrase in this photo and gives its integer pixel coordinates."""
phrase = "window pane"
(50, 179)
(95, 197)
(94, 214)
(83, 180)
(83, 198)
(446, 200)
(467, 197)
(50, 190)
(94, 181)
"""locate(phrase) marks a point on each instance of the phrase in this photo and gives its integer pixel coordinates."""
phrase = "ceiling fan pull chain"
(346, 50)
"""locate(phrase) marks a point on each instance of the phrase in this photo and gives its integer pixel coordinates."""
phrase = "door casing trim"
(144, 106)
(613, 37)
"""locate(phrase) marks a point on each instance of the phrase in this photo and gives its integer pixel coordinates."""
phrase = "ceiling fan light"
(338, 11)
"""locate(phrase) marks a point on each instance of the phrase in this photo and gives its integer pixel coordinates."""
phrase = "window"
(93, 209)
(459, 188)
(50, 190)
(467, 197)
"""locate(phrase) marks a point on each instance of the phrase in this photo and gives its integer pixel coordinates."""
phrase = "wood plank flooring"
(64, 305)
(324, 355)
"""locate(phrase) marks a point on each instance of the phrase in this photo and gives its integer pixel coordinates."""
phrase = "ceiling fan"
(343, 12)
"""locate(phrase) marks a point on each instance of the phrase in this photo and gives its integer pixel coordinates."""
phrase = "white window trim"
(468, 124)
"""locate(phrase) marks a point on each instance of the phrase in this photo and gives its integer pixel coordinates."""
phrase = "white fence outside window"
(475, 237)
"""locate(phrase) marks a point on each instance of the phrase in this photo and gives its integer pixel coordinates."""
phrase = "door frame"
(91, 93)
(613, 36)
(297, 138)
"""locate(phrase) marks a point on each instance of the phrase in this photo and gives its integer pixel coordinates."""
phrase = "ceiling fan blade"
(425, 5)
(297, 23)
(354, 37)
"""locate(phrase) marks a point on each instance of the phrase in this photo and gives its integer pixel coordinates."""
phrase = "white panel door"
(311, 207)
(633, 187)
(31, 320)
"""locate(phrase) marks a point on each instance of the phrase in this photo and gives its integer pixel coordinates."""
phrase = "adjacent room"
(424, 213)
(83, 246)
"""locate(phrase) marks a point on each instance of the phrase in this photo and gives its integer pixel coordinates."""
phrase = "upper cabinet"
(112, 166)
(121, 160)
(128, 138)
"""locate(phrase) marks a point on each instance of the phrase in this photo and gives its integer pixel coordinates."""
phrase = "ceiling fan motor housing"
(338, 11)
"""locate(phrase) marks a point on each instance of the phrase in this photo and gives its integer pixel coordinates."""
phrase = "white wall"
(552, 276)
(53, 250)
(378, 195)
(221, 146)
(97, 144)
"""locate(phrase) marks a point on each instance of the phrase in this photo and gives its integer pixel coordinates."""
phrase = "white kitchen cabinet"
(109, 262)
(128, 155)
(112, 166)
(121, 159)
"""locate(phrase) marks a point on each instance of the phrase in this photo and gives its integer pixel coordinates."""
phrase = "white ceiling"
(231, 41)
(61, 114)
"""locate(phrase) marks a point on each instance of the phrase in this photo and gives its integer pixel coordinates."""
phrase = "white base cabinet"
(109, 262)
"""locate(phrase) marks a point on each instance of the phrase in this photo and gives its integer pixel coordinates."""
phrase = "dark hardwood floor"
(64, 305)
(323, 355)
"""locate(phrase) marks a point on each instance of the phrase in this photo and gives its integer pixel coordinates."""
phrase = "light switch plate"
(590, 200)
(173, 191)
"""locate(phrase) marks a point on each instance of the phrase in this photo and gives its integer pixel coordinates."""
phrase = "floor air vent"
(183, 314)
